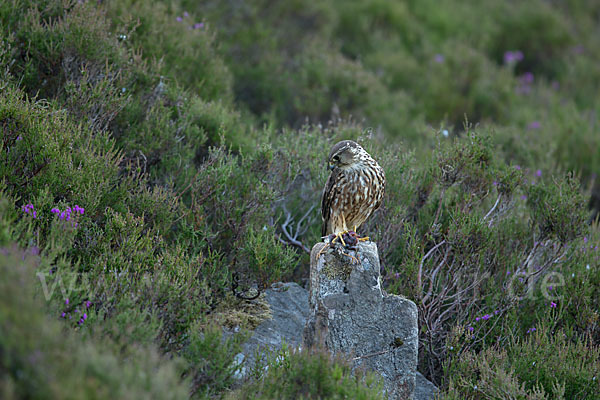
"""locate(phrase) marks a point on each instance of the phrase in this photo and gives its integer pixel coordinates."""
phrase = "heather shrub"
(539, 31)
(546, 364)
(51, 41)
(471, 239)
(309, 375)
(139, 280)
(181, 45)
(42, 359)
(45, 152)
(212, 360)
(164, 164)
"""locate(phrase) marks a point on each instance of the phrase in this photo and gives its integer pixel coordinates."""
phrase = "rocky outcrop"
(289, 304)
(289, 310)
(424, 390)
(351, 314)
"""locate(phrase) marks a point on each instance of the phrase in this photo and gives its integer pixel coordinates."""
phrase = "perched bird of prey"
(353, 191)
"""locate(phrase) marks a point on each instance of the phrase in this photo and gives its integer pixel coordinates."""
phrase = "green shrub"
(310, 375)
(41, 359)
(45, 152)
(192, 207)
(212, 359)
(179, 44)
(543, 365)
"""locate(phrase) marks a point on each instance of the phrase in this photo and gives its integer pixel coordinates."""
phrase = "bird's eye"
(336, 158)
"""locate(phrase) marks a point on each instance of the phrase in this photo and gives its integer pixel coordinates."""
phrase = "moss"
(337, 266)
(236, 313)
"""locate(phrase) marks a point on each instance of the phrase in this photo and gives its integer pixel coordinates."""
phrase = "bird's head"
(346, 154)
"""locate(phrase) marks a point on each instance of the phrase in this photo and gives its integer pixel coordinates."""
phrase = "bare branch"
(493, 208)
(420, 274)
(292, 234)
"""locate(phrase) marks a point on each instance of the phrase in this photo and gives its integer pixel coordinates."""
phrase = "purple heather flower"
(77, 310)
(397, 275)
(535, 125)
(88, 304)
(497, 312)
(62, 215)
(84, 316)
(507, 272)
(538, 173)
(585, 239)
(471, 329)
(63, 315)
(439, 58)
(19, 137)
(186, 14)
(55, 211)
(486, 317)
(523, 197)
(199, 25)
(495, 183)
(518, 167)
(477, 319)
(550, 287)
(552, 304)
(78, 209)
(34, 214)
(67, 302)
(531, 330)
(179, 19)
(527, 78)
(513, 56)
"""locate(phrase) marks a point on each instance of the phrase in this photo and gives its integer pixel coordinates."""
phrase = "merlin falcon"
(353, 191)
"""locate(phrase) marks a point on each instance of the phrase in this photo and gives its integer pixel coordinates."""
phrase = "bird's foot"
(339, 235)
(353, 259)
(358, 238)
(349, 241)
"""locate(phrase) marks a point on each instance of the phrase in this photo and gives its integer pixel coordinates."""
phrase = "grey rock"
(424, 390)
(289, 309)
(351, 314)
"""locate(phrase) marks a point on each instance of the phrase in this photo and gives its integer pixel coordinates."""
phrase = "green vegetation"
(155, 154)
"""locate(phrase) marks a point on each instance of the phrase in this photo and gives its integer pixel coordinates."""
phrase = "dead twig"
(292, 234)
(426, 256)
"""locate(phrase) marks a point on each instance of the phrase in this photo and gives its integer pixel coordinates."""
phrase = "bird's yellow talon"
(341, 238)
